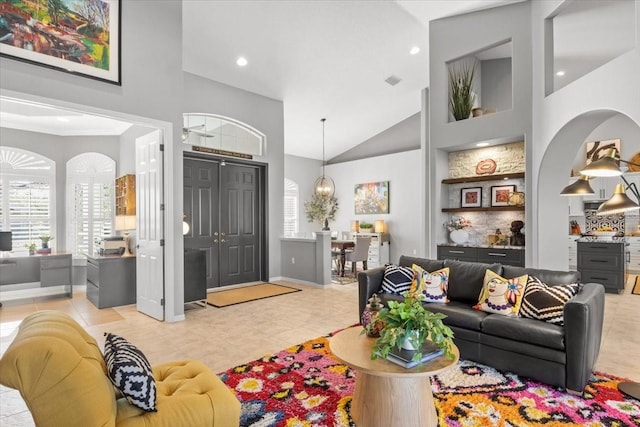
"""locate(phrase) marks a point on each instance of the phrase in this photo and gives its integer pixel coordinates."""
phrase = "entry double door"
(223, 205)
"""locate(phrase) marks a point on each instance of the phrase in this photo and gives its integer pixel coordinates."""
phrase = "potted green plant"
(366, 227)
(31, 247)
(321, 210)
(461, 96)
(410, 321)
(45, 239)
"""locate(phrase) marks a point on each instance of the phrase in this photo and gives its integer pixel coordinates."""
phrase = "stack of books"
(43, 251)
(404, 357)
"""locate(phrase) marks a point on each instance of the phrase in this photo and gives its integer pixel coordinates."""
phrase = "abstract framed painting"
(75, 36)
(595, 149)
(372, 198)
(471, 197)
(500, 194)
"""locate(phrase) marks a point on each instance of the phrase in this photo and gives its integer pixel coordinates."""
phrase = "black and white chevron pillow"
(545, 302)
(397, 280)
(130, 371)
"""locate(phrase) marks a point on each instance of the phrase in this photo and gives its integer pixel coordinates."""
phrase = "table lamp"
(379, 226)
(126, 223)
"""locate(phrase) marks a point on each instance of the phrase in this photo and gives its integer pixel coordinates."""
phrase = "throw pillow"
(397, 279)
(130, 371)
(500, 295)
(546, 302)
(432, 285)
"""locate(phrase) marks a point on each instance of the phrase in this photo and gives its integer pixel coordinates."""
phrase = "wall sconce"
(379, 226)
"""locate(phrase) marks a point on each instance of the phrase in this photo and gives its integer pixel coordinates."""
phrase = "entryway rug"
(636, 286)
(304, 385)
(229, 297)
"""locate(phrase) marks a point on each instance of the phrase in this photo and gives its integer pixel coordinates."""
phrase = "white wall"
(304, 172)
(404, 221)
(562, 122)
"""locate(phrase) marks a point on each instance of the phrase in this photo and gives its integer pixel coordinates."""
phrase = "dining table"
(342, 246)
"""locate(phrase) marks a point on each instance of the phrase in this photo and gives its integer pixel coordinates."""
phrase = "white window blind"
(27, 196)
(290, 207)
(90, 201)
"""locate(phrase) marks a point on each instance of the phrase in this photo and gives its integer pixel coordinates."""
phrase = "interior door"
(222, 205)
(239, 224)
(149, 226)
(201, 207)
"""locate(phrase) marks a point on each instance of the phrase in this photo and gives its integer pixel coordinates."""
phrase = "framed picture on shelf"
(471, 197)
(79, 37)
(500, 194)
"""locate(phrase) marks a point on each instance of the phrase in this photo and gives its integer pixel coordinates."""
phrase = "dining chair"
(360, 253)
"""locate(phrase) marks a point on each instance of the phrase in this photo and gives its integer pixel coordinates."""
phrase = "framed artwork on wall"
(471, 197)
(372, 198)
(595, 149)
(75, 36)
(500, 194)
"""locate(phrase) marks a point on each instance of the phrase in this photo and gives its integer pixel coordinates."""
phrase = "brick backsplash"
(485, 223)
(509, 158)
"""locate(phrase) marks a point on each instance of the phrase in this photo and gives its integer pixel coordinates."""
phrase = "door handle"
(222, 240)
(215, 240)
(215, 234)
(222, 234)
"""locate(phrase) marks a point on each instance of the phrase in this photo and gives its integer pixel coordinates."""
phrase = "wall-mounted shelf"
(487, 209)
(496, 177)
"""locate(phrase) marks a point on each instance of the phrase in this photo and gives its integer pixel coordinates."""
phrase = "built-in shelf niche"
(492, 85)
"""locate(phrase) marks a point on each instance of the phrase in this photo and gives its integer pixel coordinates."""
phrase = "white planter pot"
(459, 236)
(406, 344)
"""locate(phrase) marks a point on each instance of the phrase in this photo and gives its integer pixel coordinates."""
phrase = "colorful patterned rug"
(304, 386)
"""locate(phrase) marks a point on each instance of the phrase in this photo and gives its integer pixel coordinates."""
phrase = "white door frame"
(174, 280)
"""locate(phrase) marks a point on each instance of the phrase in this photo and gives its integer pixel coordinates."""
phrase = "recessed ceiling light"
(414, 50)
(242, 61)
(482, 144)
(560, 73)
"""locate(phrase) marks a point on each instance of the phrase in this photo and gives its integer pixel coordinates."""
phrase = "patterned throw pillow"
(432, 285)
(545, 302)
(130, 372)
(397, 279)
(500, 295)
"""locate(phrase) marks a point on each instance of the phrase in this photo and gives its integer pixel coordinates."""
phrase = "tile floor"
(226, 337)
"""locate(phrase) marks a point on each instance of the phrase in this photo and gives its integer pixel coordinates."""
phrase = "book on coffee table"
(404, 357)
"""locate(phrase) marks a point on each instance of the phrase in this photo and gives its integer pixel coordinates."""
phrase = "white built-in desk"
(35, 271)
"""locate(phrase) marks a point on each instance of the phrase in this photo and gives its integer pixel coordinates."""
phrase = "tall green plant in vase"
(461, 96)
(321, 210)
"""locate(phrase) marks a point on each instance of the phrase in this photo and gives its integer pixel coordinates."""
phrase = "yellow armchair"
(61, 374)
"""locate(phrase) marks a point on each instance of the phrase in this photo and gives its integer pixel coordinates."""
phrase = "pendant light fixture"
(324, 186)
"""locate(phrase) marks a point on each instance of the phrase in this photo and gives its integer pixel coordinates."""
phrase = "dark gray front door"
(225, 204)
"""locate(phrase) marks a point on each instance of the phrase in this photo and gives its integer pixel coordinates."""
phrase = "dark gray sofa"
(561, 356)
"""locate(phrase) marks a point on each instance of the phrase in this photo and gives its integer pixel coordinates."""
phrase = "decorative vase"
(370, 322)
(326, 225)
(406, 343)
(459, 236)
(32, 251)
(45, 245)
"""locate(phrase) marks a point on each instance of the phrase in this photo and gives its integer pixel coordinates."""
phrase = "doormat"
(305, 385)
(248, 293)
(636, 287)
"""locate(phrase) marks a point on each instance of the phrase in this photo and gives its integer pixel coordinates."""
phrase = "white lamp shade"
(125, 222)
(379, 226)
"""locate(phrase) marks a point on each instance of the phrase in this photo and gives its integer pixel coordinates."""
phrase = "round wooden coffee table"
(387, 394)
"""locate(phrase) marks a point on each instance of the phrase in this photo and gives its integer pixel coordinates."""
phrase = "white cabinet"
(573, 252)
(378, 250)
(634, 254)
(633, 178)
(576, 204)
(603, 187)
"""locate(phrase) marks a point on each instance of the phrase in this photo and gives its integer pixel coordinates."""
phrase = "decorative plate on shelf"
(635, 159)
(486, 166)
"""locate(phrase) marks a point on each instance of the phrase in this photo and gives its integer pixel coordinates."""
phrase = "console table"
(42, 271)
